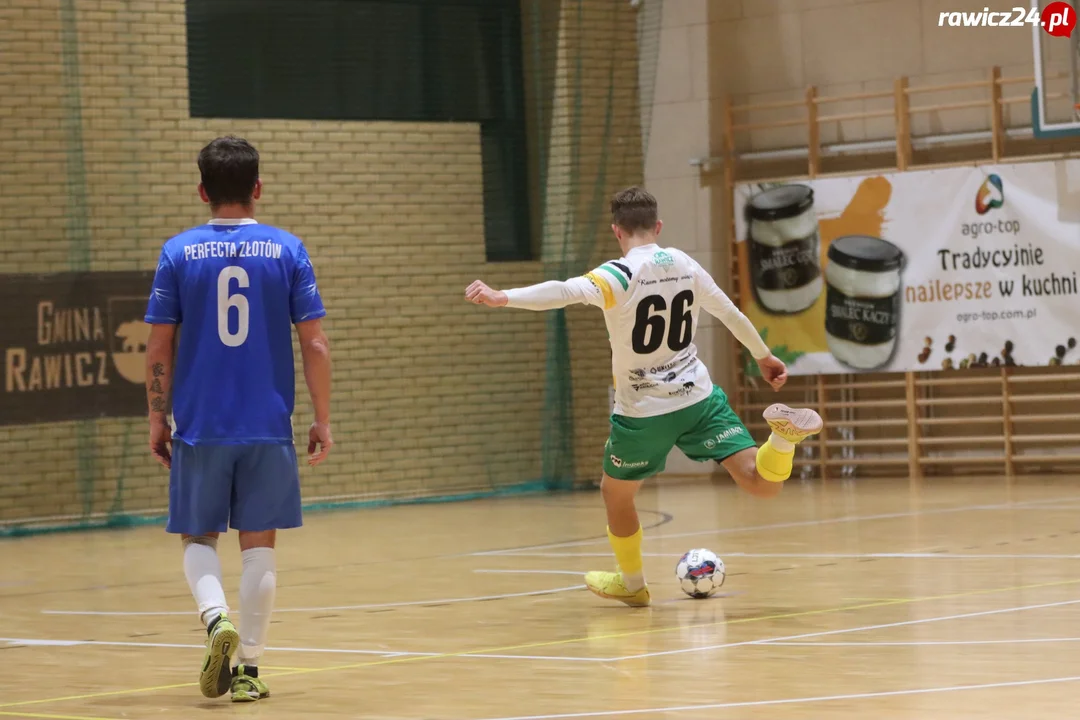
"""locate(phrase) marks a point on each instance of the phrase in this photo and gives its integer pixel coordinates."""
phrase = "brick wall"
(432, 396)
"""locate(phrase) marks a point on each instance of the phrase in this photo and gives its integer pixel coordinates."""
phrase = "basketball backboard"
(1055, 102)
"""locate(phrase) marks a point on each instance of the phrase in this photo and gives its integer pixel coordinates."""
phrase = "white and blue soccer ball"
(700, 573)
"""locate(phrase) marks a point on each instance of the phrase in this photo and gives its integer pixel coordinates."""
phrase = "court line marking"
(569, 641)
(526, 571)
(372, 606)
(51, 717)
(33, 642)
(580, 555)
(842, 631)
(928, 643)
(786, 525)
(872, 599)
(810, 556)
(908, 555)
(796, 701)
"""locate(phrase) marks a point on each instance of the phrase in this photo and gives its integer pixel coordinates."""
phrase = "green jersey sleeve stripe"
(615, 274)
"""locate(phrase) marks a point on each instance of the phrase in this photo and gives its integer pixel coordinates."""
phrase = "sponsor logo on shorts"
(721, 437)
(620, 463)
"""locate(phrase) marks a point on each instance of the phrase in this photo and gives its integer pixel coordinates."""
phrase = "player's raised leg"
(789, 427)
(761, 471)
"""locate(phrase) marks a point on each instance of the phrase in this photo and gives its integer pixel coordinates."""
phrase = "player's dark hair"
(230, 168)
(634, 209)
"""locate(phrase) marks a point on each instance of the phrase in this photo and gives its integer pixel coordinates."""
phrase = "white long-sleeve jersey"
(651, 299)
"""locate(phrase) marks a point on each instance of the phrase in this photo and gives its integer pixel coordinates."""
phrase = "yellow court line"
(89, 696)
(570, 641)
(50, 717)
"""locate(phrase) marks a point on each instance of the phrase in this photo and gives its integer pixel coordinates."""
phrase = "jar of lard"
(862, 300)
(785, 249)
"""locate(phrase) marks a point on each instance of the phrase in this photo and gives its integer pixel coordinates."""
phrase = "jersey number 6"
(225, 301)
(651, 323)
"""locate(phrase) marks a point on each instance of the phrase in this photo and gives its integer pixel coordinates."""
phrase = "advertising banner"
(73, 346)
(919, 270)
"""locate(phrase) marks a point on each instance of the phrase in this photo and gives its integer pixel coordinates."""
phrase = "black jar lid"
(778, 203)
(863, 252)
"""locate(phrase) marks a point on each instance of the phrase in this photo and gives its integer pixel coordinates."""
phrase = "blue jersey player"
(236, 288)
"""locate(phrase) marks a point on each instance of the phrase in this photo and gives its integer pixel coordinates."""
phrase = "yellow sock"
(773, 465)
(628, 555)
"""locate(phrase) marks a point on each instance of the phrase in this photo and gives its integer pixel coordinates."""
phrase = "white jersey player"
(664, 397)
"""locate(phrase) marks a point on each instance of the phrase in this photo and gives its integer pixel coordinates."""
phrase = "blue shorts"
(245, 487)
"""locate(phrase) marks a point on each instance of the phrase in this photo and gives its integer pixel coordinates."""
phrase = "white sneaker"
(792, 425)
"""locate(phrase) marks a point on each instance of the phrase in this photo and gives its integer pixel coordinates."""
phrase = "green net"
(415, 145)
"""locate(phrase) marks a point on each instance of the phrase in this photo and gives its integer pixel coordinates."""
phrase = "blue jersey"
(236, 287)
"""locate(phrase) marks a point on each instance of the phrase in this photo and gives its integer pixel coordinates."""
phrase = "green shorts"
(709, 430)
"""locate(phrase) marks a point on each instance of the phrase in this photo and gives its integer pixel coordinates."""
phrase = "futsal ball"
(700, 573)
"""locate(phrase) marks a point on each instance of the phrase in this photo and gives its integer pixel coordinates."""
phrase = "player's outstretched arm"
(550, 295)
(719, 305)
(315, 351)
(159, 372)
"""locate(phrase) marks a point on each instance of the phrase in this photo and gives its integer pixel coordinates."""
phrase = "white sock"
(203, 571)
(781, 445)
(258, 585)
(633, 581)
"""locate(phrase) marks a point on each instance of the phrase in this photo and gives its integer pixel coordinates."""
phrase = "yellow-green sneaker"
(246, 685)
(222, 643)
(610, 585)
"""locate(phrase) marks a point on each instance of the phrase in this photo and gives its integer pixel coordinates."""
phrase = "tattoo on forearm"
(156, 389)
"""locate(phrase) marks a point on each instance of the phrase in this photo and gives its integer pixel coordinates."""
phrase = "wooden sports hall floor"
(849, 600)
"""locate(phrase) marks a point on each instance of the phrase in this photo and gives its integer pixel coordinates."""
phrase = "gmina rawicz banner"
(919, 270)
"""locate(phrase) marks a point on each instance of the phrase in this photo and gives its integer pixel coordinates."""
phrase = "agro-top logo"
(991, 195)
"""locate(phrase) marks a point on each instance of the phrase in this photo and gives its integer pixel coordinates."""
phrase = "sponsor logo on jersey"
(685, 390)
(620, 463)
(644, 386)
(639, 373)
(670, 377)
(671, 365)
(663, 259)
(721, 437)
